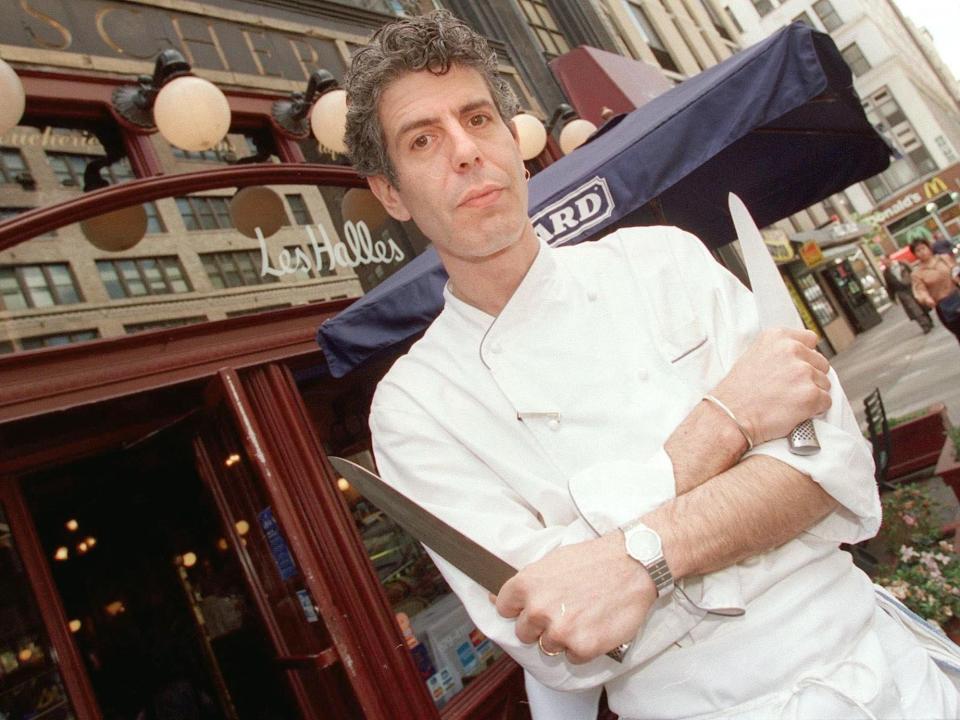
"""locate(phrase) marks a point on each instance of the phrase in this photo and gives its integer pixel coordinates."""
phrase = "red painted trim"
(55, 379)
(54, 618)
(43, 219)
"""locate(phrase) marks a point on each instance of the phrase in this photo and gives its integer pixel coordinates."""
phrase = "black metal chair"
(879, 431)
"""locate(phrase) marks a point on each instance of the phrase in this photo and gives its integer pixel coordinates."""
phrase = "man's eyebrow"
(427, 121)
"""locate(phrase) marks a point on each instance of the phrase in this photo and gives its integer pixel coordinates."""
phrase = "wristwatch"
(643, 544)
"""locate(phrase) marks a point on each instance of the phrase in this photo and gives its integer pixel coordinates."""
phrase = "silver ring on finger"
(545, 651)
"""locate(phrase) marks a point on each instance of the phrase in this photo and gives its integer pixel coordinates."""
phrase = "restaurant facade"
(170, 527)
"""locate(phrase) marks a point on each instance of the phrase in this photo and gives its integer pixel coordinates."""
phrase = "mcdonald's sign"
(933, 187)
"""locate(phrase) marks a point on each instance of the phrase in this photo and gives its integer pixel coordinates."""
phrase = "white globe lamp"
(575, 134)
(531, 133)
(328, 120)
(12, 98)
(192, 113)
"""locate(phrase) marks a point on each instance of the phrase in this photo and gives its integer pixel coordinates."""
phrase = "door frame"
(52, 615)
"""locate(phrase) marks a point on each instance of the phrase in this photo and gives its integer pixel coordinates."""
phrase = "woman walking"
(935, 285)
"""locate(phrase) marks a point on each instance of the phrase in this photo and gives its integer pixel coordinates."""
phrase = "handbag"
(950, 307)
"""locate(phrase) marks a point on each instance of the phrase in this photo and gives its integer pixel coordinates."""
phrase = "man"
(584, 413)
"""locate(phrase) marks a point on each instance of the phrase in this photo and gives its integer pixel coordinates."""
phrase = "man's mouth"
(481, 197)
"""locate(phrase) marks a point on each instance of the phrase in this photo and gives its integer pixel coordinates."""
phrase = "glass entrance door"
(303, 648)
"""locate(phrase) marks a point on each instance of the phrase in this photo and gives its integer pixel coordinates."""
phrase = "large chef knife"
(774, 305)
(472, 559)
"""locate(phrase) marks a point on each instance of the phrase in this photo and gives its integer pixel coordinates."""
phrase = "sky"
(942, 19)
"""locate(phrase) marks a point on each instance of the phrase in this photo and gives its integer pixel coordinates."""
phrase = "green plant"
(954, 435)
(901, 419)
(924, 571)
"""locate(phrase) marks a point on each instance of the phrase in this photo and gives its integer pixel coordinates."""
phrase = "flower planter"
(917, 444)
(948, 467)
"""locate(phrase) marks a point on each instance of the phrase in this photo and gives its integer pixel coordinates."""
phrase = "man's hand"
(584, 599)
(779, 382)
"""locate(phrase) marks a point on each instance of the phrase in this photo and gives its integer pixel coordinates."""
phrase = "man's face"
(460, 174)
(923, 252)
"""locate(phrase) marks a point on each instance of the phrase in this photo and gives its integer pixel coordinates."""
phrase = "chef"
(607, 418)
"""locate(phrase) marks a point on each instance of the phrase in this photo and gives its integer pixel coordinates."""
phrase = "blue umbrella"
(779, 124)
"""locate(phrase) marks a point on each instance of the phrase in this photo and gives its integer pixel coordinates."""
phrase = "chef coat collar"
(533, 288)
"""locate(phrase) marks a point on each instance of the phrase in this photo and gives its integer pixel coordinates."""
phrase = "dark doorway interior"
(154, 594)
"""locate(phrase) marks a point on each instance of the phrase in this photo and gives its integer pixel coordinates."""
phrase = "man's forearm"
(704, 445)
(753, 507)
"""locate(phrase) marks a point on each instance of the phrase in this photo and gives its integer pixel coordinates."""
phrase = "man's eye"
(478, 120)
(421, 141)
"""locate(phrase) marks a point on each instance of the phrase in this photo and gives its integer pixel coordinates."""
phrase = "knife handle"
(803, 439)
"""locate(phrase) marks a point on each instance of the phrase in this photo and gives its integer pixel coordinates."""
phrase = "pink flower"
(909, 520)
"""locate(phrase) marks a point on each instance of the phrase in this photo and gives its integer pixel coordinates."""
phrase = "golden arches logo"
(933, 187)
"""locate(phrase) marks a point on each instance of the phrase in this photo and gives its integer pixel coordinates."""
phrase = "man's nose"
(465, 152)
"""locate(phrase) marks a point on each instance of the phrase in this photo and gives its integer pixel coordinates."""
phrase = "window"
(309, 272)
(9, 212)
(763, 7)
(205, 213)
(37, 286)
(549, 36)
(154, 221)
(650, 36)
(828, 16)
(733, 19)
(805, 19)
(6, 347)
(715, 20)
(69, 169)
(299, 210)
(43, 341)
(855, 59)
(142, 276)
(133, 328)
(217, 154)
(11, 164)
(235, 269)
(912, 158)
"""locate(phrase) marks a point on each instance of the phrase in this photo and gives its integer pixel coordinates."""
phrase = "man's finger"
(527, 630)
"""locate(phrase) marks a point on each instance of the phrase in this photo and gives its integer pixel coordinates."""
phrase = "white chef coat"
(545, 426)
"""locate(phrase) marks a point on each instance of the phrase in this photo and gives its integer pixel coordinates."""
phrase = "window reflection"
(447, 648)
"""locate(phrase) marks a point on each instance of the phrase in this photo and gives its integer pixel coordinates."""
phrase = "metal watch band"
(661, 575)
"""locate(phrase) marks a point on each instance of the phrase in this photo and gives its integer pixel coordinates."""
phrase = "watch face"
(644, 545)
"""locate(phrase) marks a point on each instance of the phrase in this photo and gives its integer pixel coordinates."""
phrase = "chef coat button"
(591, 295)
(553, 424)
(641, 374)
(496, 348)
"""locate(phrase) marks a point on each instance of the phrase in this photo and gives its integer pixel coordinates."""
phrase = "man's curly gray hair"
(433, 42)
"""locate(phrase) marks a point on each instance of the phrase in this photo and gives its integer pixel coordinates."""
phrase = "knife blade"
(468, 556)
(775, 308)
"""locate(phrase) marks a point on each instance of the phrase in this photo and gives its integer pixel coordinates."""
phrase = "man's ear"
(388, 196)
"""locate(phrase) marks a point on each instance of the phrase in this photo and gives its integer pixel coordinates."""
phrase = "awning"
(779, 124)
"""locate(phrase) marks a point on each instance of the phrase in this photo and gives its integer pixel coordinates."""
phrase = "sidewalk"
(911, 369)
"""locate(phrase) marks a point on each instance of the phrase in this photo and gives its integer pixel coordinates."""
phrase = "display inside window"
(448, 649)
(30, 681)
(872, 286)
(816, 300)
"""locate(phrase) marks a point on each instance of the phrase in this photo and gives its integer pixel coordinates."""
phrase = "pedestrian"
(897, 277)
(935, 285)
(941, 246)
(607, 418)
